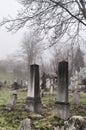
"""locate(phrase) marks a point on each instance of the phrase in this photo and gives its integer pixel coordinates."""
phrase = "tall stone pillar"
(33, 100)
(61, 104)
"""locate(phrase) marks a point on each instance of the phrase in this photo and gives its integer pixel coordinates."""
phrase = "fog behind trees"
(18, 67)
(59, 27)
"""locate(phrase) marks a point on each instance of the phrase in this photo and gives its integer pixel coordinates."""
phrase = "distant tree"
(78, 59)
(16, 66)
(18, 73)
(43, 78)
(31, 47)
(55, 61)
(58, 54)
(3, 69)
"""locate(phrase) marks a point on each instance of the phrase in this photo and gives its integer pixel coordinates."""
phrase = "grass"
(7, 77)
(83, 98)
(10, 120)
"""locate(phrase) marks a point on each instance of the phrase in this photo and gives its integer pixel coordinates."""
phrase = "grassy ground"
(10, 120)
(7, 77)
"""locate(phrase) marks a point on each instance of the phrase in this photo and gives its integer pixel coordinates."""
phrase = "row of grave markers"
(33, 100)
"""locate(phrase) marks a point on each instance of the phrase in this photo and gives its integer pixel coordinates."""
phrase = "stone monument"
(61, 104)
(33, 100)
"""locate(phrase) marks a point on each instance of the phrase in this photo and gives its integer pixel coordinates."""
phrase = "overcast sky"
(9, 43)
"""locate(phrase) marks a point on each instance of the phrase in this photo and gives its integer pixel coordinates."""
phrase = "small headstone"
(25, 124)
(15, 86)
(11, 101)
(42, 92)
(59, 128)
(76, 98)
(51, 89)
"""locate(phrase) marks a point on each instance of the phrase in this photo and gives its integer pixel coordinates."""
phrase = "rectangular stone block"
(62, 110)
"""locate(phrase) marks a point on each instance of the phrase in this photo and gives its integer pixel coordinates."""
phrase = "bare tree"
(63, 17)
(59, 53)
(16, 68)
(31, 47)
(79, 59)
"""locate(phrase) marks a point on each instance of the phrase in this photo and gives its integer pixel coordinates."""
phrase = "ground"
(10, 120)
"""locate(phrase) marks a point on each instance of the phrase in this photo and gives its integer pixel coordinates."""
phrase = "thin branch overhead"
(57, 15)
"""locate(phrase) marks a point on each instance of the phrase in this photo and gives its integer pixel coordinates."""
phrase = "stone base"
(33, 104)
(62, 110)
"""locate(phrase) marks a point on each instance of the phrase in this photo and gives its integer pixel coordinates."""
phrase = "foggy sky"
(9, 42)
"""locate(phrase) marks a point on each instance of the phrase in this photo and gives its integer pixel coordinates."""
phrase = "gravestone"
(25, 124)
(15, 85)
(51, 89)
(75, 81)
(61, 104)
(59, 128)
(75, 98)
(33, 100)
(11, 101)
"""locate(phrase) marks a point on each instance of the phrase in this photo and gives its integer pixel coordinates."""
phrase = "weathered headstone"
(33, 100)
(59, 128)
(75, 98)
(25, 124)
(15, 85)
(51, 89)
(61, 104)
(11, 101)
(74, 81)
